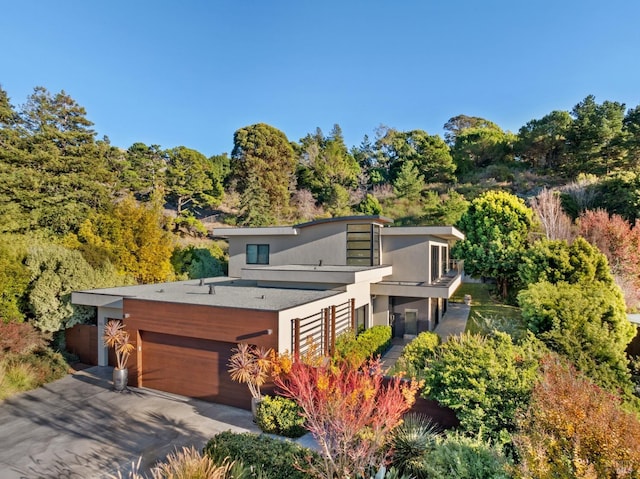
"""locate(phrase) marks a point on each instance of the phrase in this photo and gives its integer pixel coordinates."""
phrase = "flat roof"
(442, 232)
(227, 292)
(293, 230)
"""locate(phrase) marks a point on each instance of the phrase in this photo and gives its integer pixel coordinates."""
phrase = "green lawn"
(485, 306)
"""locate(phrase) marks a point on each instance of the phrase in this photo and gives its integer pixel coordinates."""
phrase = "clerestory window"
(363, 245)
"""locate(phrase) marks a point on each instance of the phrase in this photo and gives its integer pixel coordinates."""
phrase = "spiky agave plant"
(411, 440)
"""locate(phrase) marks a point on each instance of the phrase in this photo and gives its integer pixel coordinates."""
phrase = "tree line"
(77, 199)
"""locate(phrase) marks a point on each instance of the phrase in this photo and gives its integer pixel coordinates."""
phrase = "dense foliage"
(572, 428)
(277, 459)
(415, 354)
(556, 260)
(496, 225)
(585, 322)
(369, 343)
(485, 380)
(282, 416)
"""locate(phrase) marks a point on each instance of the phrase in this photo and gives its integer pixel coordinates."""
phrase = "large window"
(257, 254)
(444, 267)
(435, 263)
(363, 245)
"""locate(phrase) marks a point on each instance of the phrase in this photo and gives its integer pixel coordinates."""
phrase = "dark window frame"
(261, 253)
(363, 244)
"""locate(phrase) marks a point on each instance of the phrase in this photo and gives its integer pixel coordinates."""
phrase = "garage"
(190, 367)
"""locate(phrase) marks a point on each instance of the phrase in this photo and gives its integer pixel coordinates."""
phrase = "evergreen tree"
(263, 163)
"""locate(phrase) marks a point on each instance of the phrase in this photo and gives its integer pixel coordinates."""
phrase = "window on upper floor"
(435, 263)
(257, 254)
(444, 266)
(363, 245)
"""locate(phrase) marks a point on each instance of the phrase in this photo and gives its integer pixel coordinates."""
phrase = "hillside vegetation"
(549, 213)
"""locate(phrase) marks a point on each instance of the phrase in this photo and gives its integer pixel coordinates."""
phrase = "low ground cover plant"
(26, 362)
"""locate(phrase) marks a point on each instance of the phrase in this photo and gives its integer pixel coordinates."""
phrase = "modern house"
(288, 288)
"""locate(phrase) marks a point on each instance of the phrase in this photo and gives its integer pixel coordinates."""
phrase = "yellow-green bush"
(282, 416)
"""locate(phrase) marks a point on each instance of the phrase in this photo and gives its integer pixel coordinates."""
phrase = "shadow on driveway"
(79, 427)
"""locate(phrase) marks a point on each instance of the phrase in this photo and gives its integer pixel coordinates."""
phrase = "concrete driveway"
(78, 427)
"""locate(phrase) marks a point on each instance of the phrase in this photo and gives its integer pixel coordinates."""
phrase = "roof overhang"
(266, 231)
(416, 290)
(441, 232)
(317, 274)
(87, 298)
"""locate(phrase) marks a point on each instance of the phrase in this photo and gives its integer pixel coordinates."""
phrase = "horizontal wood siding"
(184, 349)
(191, 367)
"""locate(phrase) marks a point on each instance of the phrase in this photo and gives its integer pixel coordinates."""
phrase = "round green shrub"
(276, 458)
(282, 416)
(422, 347)
(460, 457)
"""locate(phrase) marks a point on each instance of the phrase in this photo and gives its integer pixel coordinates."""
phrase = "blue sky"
(192, 72)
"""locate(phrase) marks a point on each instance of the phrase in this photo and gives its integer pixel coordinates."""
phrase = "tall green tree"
(55, 173)
(595, 137)
(542, 143)
(429, 153)
(457, 124)
(478, 143)
(147, 168)
(409, 182)
(191, 180)
(327, 168)
(263, 160)
(619, 193)
(631, 127)
(496, 227)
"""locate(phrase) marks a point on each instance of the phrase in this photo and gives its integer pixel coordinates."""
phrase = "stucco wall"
(359, 292)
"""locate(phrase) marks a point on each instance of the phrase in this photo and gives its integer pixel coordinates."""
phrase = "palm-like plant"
(116, 337)
(250, 365)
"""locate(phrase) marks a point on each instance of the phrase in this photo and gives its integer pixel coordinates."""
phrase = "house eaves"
(264, 231)
(441, 232)
(316, 274)
(410, 289)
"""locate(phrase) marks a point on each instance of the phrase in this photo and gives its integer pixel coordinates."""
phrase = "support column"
(103, 353)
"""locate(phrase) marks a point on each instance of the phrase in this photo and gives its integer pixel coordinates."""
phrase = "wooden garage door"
(191, 367)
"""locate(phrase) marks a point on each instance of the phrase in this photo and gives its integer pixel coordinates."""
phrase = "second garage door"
(190, 367)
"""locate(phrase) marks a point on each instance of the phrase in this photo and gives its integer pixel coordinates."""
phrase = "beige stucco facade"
(419, 276)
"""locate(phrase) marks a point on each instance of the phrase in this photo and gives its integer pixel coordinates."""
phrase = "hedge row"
(371, 342)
